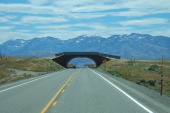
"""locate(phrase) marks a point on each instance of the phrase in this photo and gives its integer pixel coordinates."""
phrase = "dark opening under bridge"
(98, 58)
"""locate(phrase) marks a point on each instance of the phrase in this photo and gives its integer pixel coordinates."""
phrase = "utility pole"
(47, 67)
(0, 54)
(161, 78)
(6, 58)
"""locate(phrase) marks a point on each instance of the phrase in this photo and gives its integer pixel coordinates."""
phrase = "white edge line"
(138, 103)
(29, 82)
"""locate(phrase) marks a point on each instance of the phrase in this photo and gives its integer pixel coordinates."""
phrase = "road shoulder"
(148, 97)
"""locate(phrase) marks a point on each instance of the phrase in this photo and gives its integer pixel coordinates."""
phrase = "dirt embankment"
(14, 69)
(15, 75)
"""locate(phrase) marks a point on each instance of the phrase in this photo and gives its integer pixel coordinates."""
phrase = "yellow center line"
(56, 95)
(54, 103)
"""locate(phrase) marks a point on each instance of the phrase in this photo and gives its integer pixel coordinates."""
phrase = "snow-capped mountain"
(134, 46)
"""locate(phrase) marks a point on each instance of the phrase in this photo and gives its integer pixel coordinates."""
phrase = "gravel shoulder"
(15, 75)
(150, 97)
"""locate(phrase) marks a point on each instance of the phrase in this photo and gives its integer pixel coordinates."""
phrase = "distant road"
(75, 91)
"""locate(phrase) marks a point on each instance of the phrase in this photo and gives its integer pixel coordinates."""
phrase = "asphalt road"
(75, 91)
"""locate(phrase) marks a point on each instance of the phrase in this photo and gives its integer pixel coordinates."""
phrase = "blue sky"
(65, 19)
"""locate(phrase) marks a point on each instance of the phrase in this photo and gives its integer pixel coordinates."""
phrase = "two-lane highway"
(89, 93)
(32, 96)
(71, 91)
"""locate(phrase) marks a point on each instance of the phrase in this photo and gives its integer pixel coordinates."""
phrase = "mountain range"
(132, 46)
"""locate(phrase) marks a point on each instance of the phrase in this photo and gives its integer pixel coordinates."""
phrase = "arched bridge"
(98, 58)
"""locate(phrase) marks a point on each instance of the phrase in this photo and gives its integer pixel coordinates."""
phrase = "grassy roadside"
(13, 69)
(146, 73)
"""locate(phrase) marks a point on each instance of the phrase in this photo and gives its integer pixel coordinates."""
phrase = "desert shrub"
(142, 81)
(115, 73)
(153, 67)
(152, 82)
(27, 75)
(147, 84)
(131, 62)
(138, 83)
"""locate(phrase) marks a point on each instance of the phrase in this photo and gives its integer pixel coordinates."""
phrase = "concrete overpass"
(98, 58)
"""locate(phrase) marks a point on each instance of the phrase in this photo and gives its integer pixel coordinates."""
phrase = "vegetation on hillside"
(11, 65)
(146, 73)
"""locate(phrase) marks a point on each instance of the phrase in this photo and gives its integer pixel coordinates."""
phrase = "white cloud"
(7, 18)
(4, 28)
(30, 9)
(75, 14)
(91, 8)
(66, 31)
(86, 15)
(147, 7)
(69, 26)
(79, 3)
(67, 34)
(161, 32)
(24, 31)
(144, 4)
(129, 13)
(145, 22)
(42, 20)
(53, 26)
(135, 6)
(7, 35)
(38, 2)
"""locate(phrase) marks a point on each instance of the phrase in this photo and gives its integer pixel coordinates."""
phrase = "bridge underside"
(65, 57)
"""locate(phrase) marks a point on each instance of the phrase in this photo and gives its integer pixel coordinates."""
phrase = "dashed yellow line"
(56, 95)
(54, 103)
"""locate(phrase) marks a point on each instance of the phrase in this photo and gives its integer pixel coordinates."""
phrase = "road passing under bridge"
(98, 58)
(75, 91)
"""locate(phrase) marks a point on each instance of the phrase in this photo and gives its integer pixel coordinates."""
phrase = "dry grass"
(24, 64)
(137, 71)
